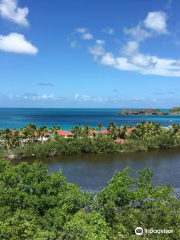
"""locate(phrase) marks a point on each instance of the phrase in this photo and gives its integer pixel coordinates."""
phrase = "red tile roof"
(64, 133)
(104, 131)
(91, 131)
(47, 134)
(122, 141)
(130, 129)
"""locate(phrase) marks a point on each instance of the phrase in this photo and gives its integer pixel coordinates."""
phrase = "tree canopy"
(37, 205)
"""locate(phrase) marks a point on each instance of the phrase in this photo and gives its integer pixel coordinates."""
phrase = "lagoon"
(92, 172)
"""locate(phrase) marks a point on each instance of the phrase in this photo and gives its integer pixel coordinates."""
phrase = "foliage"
(175, 110)
(68, 147)
(36, 205)
(29, 141)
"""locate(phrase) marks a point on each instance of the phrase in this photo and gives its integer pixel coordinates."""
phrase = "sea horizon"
(69, 117)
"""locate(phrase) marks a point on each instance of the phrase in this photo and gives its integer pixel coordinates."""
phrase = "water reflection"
(92, 172)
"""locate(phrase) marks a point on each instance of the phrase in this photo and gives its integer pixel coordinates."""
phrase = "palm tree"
(16, 139)
(76, 131)
(121, 132)
(99, 127)
(41, 131)
(148, 130)
(175, 128)
(6, 138)
(28, 132)
(84, 131)
(54, 129)
(112, 128)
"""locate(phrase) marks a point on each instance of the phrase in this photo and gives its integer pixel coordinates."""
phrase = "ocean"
(68, 117)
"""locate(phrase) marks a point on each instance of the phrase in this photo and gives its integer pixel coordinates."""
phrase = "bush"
(136, 146)
(36, 205)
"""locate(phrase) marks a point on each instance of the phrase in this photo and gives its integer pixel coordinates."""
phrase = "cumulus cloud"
(97, 49)
(131, 51)
(35, 97)
(138, 33)
(81, 30)
(31, 97)
(9, 10)
(154, 24)
(85, 34)
(86, 98)
(16, 43)
(131, 48)
(108, 30)
(131, 58)
(109, 60)
(156, 21)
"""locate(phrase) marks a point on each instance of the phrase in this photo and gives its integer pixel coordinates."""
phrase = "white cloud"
(32, 97)
(131, 48)
(155, 24)
(86, 98)
(97, 49)
(74, 44)
(76, 96)
(138, 33)
(156, 21)
(108, 30)
(35, 97)
(81, 30)
(101, 42)
(9, 10)
(131, 58)
(155, 66)
(109, 60)
(131, 51)
(138, 62)
(87, 36)
(84, 32)
(142, 61)
(16, 43)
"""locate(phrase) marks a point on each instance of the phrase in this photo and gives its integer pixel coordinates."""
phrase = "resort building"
(91, 131)
(104, 131)
(65, 134)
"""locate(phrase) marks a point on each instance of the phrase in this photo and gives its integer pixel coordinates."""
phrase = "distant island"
(175, 110)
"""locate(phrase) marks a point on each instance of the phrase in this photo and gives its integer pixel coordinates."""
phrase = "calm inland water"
(92, 172)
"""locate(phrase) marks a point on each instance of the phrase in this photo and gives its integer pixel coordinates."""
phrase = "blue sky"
(96, 53)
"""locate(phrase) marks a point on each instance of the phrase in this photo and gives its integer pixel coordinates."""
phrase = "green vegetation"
(29, 142)
(35, 205)
(175, 110)
(63, 146)
(143, 112)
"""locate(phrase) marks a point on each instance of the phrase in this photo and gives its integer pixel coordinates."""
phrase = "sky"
(90, 54)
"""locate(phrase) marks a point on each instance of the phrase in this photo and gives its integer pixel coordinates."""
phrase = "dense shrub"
(36, 205)
(68, 147)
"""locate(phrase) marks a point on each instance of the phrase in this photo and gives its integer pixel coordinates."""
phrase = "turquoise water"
(66, 118)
